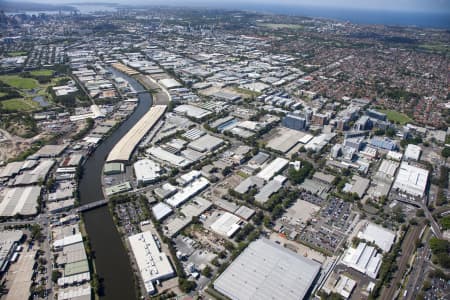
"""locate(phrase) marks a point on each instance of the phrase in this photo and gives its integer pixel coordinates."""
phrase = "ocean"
(358, 16)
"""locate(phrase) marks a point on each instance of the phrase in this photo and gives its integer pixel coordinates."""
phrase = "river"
(111, 259)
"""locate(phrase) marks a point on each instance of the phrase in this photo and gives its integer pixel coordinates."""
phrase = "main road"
(111, 259)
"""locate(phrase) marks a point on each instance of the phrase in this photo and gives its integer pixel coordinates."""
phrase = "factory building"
(153, 264)
(266, 270)
(411, 180)
(146, 171)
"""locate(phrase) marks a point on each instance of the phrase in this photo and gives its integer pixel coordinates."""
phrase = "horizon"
(416, 6)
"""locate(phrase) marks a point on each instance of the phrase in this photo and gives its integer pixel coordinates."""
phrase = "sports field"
(395, 116)
(19, 82)
(42, 72)
(18, 104)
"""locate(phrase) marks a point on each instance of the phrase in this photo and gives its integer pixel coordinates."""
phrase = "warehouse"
(266, 270)
(161, 210)
(206, 143)
(268, 190)
(227, 224)
(411, 180)
(382, 237)
(192, 111)
(152, 263)
(285, 139)
(125, 147)
(277, 165)
(363, 258)
(188, 192)
(35, 175)
(318, 142)
(49, 151)
(146, 171)
(11, 169)
(412, 152)
(169, 83)
(387, 170)
(168, 157)
(19, 200)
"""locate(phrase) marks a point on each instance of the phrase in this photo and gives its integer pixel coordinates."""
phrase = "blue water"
(419, 19)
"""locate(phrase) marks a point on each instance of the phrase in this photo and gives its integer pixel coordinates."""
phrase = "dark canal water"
(111, 259)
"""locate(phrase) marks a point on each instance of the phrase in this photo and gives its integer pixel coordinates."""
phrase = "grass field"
(281, 26)
(395, 116)
(42, 72)
(17, 53)
(3, 94)
(19, 82)
(19, 104)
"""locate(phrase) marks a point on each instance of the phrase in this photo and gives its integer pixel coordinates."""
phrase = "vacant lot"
(395, 116)
(42, 72)
(19, 82)
(18, 104)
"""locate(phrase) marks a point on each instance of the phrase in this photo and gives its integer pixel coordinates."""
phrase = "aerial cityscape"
(224, 151)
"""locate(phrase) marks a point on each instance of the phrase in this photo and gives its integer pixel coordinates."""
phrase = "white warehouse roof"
(19, 200)
(382, 237)
(188, 192)
(152, 263)
(266, 270)
(226, 225)
(412, 152)
(411, 180)
(161, 210)
(146, 170)
(364, 259)
(273, 168)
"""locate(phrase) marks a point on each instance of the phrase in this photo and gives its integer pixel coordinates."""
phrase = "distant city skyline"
(379, 5)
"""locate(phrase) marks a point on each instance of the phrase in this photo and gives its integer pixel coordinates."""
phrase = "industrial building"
(188, 192)
(206, 143)
(382, 237)
(248, 183)
(168, 157)
(318, 142)
(274, 167)
(125, 147)
(364, 259)
(411, 180)
(227, 224)
(153, 264)
(412, 152)
(146, 171)
(192, 111)
(161, 210)
(266, 270)
(19, 200)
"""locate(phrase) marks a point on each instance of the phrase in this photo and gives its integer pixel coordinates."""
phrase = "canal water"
(111, 260)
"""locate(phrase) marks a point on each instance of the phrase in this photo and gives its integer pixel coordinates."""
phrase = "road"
(408, 248)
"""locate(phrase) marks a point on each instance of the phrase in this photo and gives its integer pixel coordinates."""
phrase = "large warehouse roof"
(411, 180)
(273, 168)
(152, 263)
(266, 270)
(382, 237)
(20, 200)
(125, 147)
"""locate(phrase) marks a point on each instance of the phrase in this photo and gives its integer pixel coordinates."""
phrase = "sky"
(388, 5)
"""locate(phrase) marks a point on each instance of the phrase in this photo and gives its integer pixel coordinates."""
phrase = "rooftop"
(266, 270)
